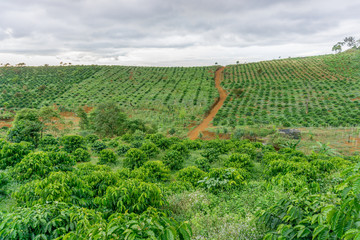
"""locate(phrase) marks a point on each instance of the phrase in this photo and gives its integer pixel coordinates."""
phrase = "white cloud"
(162, 32)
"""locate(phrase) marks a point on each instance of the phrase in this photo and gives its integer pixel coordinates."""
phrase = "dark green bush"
(173, 159)
(72, 142)
(62, 161)
(211, 154)
(135, 158)
(98, 146)
(91, 138)
(237, 160)
(132, 196)
(34, 165)
(223, 179)
(191, 174)
(82, 155)
(12, 153)
(152, 171)
(122, 149)
(203, 164)
(150, 149)
(181, 148)
(107, 156)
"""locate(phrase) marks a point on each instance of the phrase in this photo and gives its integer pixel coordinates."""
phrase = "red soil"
(218, 104)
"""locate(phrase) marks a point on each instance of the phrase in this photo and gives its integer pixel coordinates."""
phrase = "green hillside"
(166, 96)
(312, 91)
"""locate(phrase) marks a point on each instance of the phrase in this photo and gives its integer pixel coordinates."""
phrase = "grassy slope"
(312, 91)
(169, 97)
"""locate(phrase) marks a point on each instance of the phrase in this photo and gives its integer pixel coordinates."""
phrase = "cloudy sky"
(171, 32)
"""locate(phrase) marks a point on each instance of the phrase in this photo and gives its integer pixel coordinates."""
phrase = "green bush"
(61, 160)
(237, 160)
(48, 221)
(283, 167)
(82, 155)
(64, 187)
(211, 154)
(97, 146)
(107, 156)
(91, 138)
(152, 171)
(12, 153)
(193, 144)
(34, 165)
(223, 179)
(150, 149)
(203, 164)
(132, 196)
(4, 180)
(181, 148)
(248, 149)
(191, 174)
(173, 159)
(72, 142)
(135, 158)
(48, 142)
(122, 149)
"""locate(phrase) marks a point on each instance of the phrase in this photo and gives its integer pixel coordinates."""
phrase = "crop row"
(315, 91)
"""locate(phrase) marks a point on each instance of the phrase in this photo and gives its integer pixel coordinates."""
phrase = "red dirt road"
(193, 134)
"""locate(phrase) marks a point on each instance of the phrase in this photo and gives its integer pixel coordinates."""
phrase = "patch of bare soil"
(194, 134)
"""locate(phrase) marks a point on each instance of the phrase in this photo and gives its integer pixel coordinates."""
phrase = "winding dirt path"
(193, 134)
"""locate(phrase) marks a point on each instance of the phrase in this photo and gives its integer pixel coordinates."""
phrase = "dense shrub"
(191, 174)
(203, 164)
(82, 155)
(211, 154)
(173, 159)
(61, 160)
(222, 179)
(193, 144)
(135, 158)
(12, 153)
(97, 146)
(34, 165)
(296, 168)
(48, 143)
(132, 196)
(221, 146)
(72, 142)
(57, 187)
(181, 148)
(122, 149)
(237, 160)
(48, 221)
(248, 149)
(152, 171)
(107, 156)
(4, 180)
(271, 156)
(150, 149)
(91, 138)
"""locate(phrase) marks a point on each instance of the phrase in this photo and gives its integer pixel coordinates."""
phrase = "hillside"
(295, 92)
(311, 91)
(170, 97)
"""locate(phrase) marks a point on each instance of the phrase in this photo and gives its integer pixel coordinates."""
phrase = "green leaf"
(356, 186)
(169, 235)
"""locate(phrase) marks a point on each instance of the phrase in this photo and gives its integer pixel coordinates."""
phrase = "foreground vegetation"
(144, 185)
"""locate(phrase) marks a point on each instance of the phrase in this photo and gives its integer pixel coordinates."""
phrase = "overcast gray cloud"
(169, 32)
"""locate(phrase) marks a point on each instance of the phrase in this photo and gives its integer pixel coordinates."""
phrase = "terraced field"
(312, 91)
